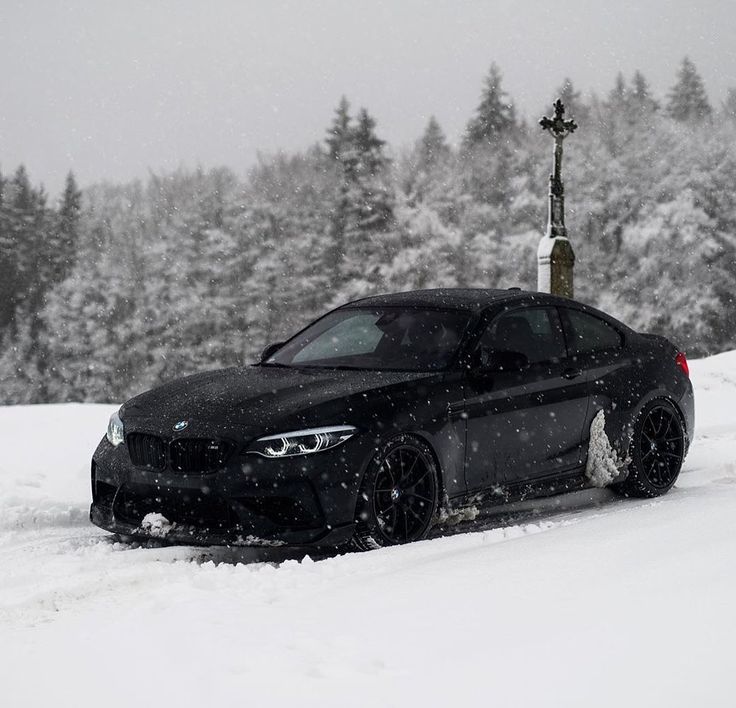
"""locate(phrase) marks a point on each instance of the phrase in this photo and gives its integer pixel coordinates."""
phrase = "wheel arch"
(663, 394)
(420, 435)
(381, 443)
(441, 484)
(620, 420)
(637, 483)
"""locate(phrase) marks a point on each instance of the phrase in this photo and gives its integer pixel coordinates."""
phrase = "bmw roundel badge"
(181, 425)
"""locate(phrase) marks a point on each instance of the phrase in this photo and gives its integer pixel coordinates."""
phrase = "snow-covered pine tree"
(619, 94)
(188, 307)
(495, 118)
(418, 169)
(67, 231)
(370, 236)
(490, 146)
(339, 146)
(611, 117)
(340, 133)
(729, 104)
(8, 260)
(688, 100)
(21, 381)
(432, 148)
(300, 192)
(361, 219)
(427, 166)
(374, 201)
(643, 105)
(428, 237)
(269, 257)
(20, 247)
(96, 345)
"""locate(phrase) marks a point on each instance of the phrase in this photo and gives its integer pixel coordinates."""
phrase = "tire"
(399, 495)
(657, 450)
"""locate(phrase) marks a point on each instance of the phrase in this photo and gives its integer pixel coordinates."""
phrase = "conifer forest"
(112, 289)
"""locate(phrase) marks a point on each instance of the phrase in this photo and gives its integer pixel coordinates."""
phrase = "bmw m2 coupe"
(390, 412)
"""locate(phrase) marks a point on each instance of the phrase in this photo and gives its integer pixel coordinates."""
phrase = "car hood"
(258, 398)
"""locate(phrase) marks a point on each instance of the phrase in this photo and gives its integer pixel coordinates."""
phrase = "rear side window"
(534, 332)
(587, 334)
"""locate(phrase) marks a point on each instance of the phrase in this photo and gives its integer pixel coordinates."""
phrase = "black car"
(389, 413)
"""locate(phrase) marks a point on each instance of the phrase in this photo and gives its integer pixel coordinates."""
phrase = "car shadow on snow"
(233, 555)
(563, 508)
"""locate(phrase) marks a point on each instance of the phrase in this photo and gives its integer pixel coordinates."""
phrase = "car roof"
(472, 299)
(476, 300)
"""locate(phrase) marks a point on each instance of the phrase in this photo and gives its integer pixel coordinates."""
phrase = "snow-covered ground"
(584, 600)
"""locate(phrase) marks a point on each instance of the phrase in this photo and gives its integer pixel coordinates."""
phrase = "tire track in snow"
(104, 569)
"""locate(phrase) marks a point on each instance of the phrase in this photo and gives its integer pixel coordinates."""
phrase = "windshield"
(394, 339)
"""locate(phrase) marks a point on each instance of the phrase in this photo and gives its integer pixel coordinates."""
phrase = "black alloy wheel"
(657, 451)
(398, 498)
(661, 447)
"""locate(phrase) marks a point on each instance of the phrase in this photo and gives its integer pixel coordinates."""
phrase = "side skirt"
(570, 481)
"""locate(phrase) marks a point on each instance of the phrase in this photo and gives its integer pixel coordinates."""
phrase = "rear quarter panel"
(645, 370)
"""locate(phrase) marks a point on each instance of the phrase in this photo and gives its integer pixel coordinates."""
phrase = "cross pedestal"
(555, 263)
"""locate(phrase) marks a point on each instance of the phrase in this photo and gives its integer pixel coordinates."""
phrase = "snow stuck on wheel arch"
(604, 465)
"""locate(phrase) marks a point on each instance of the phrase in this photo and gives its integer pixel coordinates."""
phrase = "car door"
(596, 347)
(526, 423)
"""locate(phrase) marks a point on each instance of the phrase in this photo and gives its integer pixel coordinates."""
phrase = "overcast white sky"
(113, 89)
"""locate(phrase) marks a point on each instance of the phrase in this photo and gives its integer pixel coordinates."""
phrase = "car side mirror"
(270, 350)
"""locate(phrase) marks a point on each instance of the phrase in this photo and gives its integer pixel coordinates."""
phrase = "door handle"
(571, 373)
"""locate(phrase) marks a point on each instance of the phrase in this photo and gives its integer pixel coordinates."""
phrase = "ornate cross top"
(559, 129)
(558, 126)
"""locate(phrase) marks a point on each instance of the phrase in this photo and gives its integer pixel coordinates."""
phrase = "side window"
(534, 332)
(588, 334)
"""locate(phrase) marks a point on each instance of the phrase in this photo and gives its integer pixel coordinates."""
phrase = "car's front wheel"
(657, 451)
(398, 499)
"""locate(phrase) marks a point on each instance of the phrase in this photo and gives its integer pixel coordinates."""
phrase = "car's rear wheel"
(399, 495)
(657, 451)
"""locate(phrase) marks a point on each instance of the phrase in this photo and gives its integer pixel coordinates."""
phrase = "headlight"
(302, 442)
(115, 430)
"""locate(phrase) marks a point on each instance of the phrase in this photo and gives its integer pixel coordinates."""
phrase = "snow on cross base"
(584, 599)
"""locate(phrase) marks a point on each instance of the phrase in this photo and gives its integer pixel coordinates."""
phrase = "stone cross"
(555, 257)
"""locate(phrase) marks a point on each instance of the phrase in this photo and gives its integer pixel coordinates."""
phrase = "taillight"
(681, 361)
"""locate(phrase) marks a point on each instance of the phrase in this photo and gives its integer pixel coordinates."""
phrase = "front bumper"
(254, 501)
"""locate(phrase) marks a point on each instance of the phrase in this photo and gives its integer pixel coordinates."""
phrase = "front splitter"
(182, 534)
